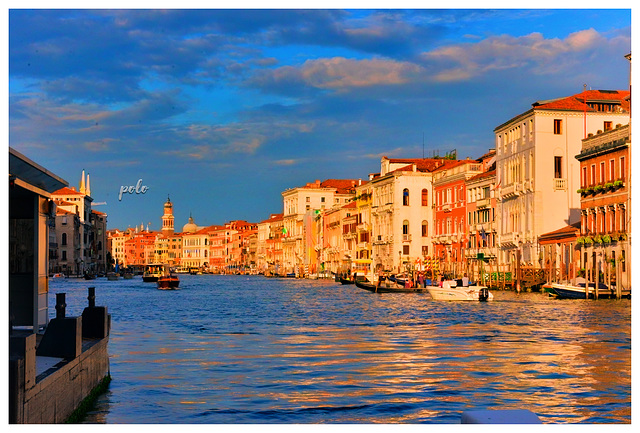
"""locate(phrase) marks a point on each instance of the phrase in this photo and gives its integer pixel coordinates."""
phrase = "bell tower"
(167, 218)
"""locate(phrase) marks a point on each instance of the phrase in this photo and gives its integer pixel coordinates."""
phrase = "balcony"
(559, 184)
(483, 202)
(406, 238)
(363, 227)
(510, 191)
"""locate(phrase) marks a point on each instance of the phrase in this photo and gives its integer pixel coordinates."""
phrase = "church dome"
(190, 227)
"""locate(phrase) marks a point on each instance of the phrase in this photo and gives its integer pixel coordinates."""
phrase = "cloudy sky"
(225, 109)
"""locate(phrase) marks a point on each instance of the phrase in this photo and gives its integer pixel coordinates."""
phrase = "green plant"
(588, 240)
(606, 239)
(598, 188)
(618, 183)
(580, 190)
(608, 185)
(597, 239)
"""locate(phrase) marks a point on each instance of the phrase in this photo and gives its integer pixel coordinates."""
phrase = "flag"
(483, 234)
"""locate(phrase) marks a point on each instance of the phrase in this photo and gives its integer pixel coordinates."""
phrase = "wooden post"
(587, 275)
(518, 270)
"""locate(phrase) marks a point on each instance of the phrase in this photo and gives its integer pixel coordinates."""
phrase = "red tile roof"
(482, 175)
(66, 191)
(577, 102)
(566, 233)
(425, 165)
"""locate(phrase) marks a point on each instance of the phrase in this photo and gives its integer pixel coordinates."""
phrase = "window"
(425, 197)
(425, 250)
(602, 178)
(405, 250)
(584, 178)
(608, 126)
(307, 199)
(405, 227)
(425, 229)
(64, 239)
(557, 167)
(405, 197)
(622, 168)
(593, 175)
(612, 170)
(321, 199)
(64, 255)
(557, 126)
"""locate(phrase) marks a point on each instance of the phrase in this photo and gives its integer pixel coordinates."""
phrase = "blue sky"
(225, 109)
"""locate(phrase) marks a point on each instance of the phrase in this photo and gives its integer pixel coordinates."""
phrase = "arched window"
(425, 229)
(405, 197)
(425, 197)
(405, 227)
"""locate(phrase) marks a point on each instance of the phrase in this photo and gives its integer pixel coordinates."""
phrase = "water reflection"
(255, 350)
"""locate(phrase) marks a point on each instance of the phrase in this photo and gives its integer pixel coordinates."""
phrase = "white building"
(401, 212)
(537, 173)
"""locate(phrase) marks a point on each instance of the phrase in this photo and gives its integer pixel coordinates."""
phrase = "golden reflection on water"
(556, 359)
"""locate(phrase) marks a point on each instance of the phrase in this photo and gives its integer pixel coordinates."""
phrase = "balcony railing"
(559, 184)
(483, 202)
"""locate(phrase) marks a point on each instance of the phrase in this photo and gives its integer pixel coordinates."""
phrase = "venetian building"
(299, 205)
(79, 202)
(536, 170)
(402, 213)
(603, 248)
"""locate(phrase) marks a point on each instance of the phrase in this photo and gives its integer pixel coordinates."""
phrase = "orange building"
(450, 216)
(139, 249)
(605, 206)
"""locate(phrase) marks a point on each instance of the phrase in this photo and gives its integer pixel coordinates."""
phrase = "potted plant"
(588, 240)
(580, 191)
(597, 189)
(597, 239)
(606, 239)
(618, 184)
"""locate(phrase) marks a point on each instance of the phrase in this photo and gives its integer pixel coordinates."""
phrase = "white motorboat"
(450, 292)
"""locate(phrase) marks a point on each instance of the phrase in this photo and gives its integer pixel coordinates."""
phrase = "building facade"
(604, 245)
(537, 172)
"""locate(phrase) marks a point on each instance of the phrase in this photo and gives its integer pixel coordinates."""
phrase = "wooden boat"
(387, 286)
(152, 272)
(451, 292)
(127, 275)
(168, 280)
(112, 276)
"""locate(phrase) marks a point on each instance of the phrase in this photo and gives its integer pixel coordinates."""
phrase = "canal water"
(249, 349)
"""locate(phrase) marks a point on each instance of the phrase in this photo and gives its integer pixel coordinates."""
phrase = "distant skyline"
(222, 110)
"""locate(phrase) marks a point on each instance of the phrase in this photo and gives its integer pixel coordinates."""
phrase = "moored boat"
(112, 276)
(387, 286)
(579, 290)
(451, 292)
